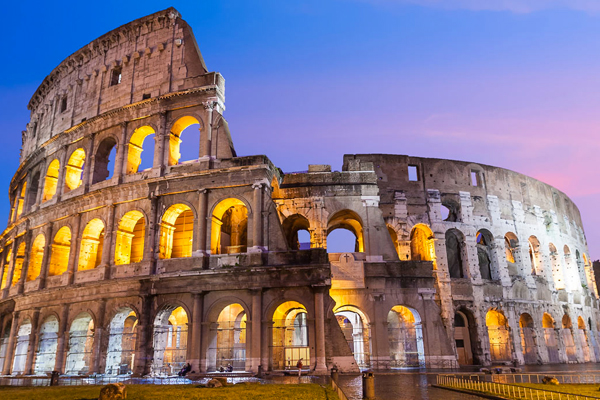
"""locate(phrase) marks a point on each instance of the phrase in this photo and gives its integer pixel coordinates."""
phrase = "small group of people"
(229, 368)
(184, 371)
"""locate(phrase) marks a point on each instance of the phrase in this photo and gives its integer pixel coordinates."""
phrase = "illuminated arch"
(405, 337)
(176, 232)
(129, 247)
(170, 340)
(51, 180)
(61, 248)
(175, 137)
(92, 243)
(227, 339)
(291, 226)
(229, 227)
(36, 257)
(355, 327)
(290, 336)
(136, 148)
(74, 170)
(21, 199)
(7, 254)
(422, 244)
(121, 342)
(349, 220)
(499, 336)
(18, 265)
(81, 340)
(534, 255)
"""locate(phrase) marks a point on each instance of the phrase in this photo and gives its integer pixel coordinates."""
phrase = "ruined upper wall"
(154, 55)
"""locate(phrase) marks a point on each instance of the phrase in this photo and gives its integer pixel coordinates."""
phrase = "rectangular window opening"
(474, 178)
(146, 96)
(115, 77)
(413, 173)
(63, 104)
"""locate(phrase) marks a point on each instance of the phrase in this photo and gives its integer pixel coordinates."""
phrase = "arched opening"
(550, 338)
(170, 341)
(355, 328)
(185, 128)
(534, 256)
(4, 342)
(342, 242)
(229, 228)
(394, 237)
(499, 336)
(48, 342)
(176, 232)
(142, 142)
(290, 336)
(121, 343)
(293, 226)
(36, 257)
(528, 342)
(61, 248)
(21, 199)
(104, 160)
(129, 246)
(511, 250)
(455, 249)
(462, 338)
(74, 170)
(405, 336)
(557, 271)
(32, 195)
(485, 241)
(567, 337)
(92, 243)
(583, 338)
(422, 245)
(21, 348)
(7, 253)
(51, 180)
(81, 340)
(227, 340)
(18, 266)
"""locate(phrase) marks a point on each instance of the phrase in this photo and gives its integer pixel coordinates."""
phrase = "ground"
(175, 392)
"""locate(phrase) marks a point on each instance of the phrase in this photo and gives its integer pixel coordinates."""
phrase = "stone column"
(202, 221)
(74, 251)
(256, 321)
(25, 267)
(266, 336)
(121, 150)
(194, 352)
(46, 256)
(152, 243)
(33, 339)
(321, 365)
(161, 149)
(60, 185)
(10, 348)
(87, 168)
(206, 138)
(144, 351)
(63, 339)
(108, 248)
(99, 331)
(257, 218)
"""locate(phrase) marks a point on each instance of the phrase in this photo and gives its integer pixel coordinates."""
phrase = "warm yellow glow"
(35, 257)
(229, 228)
(129, 246)
(74, 169)
(61, 248)
(525, 321)
(510, 244)
(51, 180)
(136, 147)
(580, 323)
(422, 245)
(92, 243)
(175, 137)
(347, 219)
(404, 314)
(495, 318)
(566, 322)
(176, 232)
(18, 268)
(283, 311)
(21, 200)
(8, 251)
(547, 321)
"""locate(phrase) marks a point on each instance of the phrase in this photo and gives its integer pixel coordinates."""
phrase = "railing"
(90, 380)
(537, 378)
(505, 389)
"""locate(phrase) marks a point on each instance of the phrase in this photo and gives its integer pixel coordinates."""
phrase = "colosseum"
(108, 267)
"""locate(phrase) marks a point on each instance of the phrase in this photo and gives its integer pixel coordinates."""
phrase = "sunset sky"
(510, 83)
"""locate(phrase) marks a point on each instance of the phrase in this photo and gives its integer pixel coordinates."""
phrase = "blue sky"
(512, 83)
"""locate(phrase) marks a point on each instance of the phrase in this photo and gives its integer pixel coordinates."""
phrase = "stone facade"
(118, 270)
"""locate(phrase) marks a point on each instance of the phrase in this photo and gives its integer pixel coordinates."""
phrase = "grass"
(174, 392)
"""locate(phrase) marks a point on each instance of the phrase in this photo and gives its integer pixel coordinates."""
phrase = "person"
(229, 368)
(221, 369)
(187, 368)
(299, 366)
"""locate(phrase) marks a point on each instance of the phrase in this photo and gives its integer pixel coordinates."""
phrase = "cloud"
(515, 6)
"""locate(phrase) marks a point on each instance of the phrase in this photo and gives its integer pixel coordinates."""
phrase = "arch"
(289, 336)
(511, 246)
(135, 148)
(102, 159)
(499, 336)
(422, 245)
(568, 340)
(175, 137)
(229, 227)
(74, 170)
(131, 232)
(455, 252)
(21, 199)
(92, 243)
(18, 264)
(557, 270)
(32, 194)
(528, 342)
(4, 338)
(176, 232)
(349, 220)
(121, 342)
(170, 340)
(7, 253)
(51, 180)
(227, 338)
(583, 339)
(550, 338)
(59, 255)
(464, 337)
(405, 336)
(36, 257)
(47, 345)
(485, 253)
(394, 237)
(355, 327)
(291, 226)
(81, 340)
(21, 347)
(450, 210)
(534, 255)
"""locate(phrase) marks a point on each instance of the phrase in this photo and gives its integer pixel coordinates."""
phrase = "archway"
(229, 228)
(350, 221)
(176, 232)
(534, 256)
(51, 180)
(567, 337)
(550, 338)
(186, 124)
(74, 170)
(405, 336)
(583, 338)
(92, 243)
(292, 225)
(21, 347)
(511, 251)
(59, 255)
(48, 342)
(485, 244)
(18, 265)
(355, 328)
(4, 342)
(170, 341)
(36, 257)
(7, 254)
(121, 342)
(528, 343)
(141, 136)
(422, 245)
(462, 338)
(105, 153)
(81, 340)
(455, 252)
(290, 336)
(129, 246)
(499, 336)
(227, 339)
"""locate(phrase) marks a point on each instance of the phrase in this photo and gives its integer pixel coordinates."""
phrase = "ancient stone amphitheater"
(111, 268)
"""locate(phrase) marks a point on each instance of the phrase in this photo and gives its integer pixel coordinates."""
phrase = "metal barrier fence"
(505, 389)
(90, 380)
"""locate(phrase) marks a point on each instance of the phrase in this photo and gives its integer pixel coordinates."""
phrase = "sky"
(510, 83)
